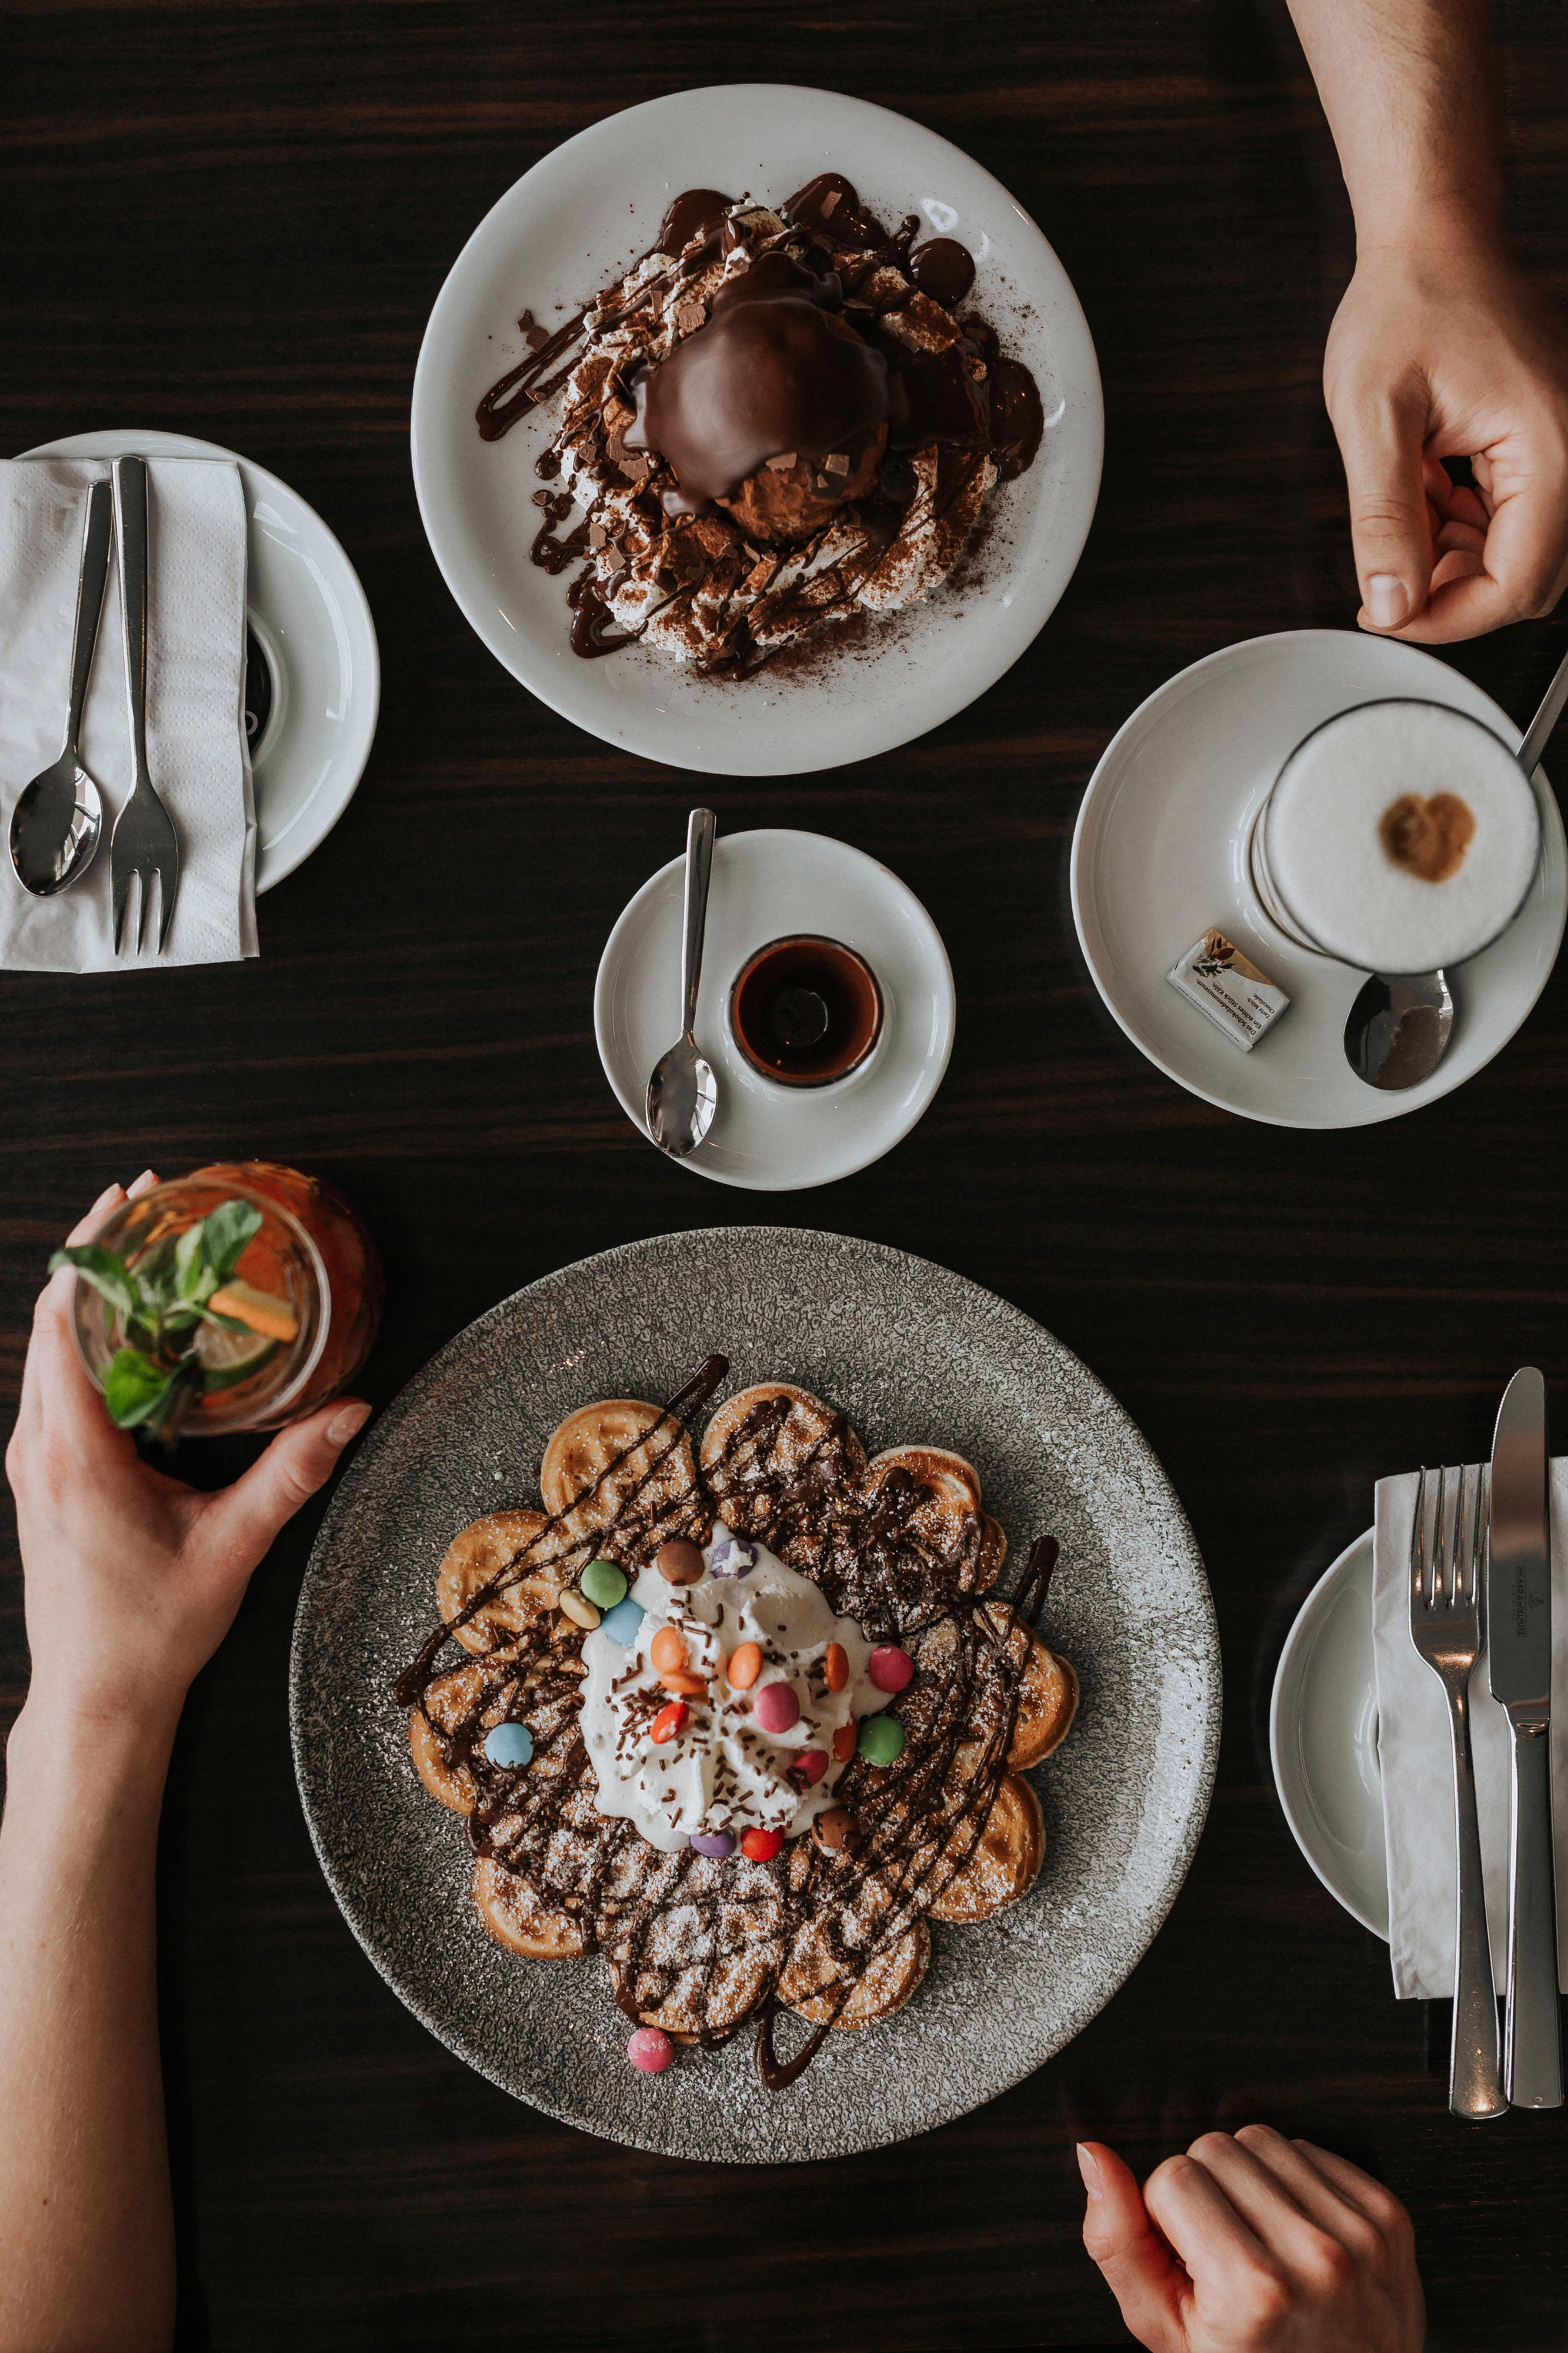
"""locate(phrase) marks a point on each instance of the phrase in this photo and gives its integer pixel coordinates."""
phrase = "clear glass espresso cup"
(1510, 864)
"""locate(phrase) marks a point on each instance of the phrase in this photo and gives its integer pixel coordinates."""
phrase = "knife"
(1519, 1663)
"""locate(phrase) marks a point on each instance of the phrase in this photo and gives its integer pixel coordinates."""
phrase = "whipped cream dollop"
(721, 1771)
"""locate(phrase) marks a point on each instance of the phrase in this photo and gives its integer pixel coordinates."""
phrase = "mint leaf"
(188, 1266)
(225, 1232)
(156, 1273)
(135, 1387)
(107, 1274)
(169, 1412)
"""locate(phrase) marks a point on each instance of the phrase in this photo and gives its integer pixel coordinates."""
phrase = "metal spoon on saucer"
(683, 1094)
(57, 820)
(1399, 1026)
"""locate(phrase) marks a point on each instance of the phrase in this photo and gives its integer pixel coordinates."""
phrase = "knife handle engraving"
(1532, 2062)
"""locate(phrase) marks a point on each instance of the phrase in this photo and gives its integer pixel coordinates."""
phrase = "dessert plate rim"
(910, 1342)
(933, 660)
(1311, 1687)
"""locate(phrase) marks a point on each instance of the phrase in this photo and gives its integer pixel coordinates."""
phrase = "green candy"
(604, 1585)
(882, 1739)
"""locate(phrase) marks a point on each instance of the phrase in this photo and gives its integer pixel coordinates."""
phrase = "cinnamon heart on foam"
(1428, 837)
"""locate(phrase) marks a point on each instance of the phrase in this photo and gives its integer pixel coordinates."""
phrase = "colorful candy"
(669, 1721)
(679, 1561)
(581, 1611)
(650, 2051)
(836, 1832)
(744, 1665)
(844, 1743)
(684, 1679)
(668, 1649)
(889, 1668)
(510, 1745)
(624, 1622)
(714, 1842)
(760, 1846)
(882, 1739)
(604, 1583)
(732, 1557)
(835, 1666)
(776, 1708)
(808, 1767)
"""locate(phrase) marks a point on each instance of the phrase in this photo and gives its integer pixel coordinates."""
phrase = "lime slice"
(228, 1357)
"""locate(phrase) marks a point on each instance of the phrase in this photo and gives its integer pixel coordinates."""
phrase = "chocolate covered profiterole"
(752, 1779)
(776, 419)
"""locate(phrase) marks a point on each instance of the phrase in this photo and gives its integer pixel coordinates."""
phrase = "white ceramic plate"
(310, 618)
(1322, 1737)
(1158, 854)
(572, 226)
(768, 1138)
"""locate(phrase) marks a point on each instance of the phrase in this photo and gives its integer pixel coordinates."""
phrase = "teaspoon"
(682, 1095)
(58, 819)
(1399, 1026)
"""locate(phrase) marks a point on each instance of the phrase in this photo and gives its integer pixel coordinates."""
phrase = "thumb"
(1119, 2238)
(249, 1514)
(1381, 435)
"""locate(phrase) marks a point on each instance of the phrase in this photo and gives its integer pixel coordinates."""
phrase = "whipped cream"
(721, 1771)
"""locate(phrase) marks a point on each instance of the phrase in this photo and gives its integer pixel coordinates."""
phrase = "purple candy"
(732, 1557)
(717, 1843)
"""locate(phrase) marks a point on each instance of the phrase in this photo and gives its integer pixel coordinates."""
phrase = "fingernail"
(347, 1423)
(1088, 2166)
(1388, 600)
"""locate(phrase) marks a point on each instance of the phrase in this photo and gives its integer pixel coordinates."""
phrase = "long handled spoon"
(59, 817)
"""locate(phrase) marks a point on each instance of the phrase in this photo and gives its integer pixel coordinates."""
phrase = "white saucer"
(310, 618)
(765, 1137)
(571, 225)
(1322, 1737)
(1158, 855)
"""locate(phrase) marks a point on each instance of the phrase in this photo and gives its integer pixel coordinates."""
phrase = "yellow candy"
(579, 1608)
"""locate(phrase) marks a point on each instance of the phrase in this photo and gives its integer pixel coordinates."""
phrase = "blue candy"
(510, 1745)
(622, 1622)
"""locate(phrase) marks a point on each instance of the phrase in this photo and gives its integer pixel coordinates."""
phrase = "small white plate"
(311, 619)
(1322, 1738)
(765, 1137)
(572, 226)
(1159, 855)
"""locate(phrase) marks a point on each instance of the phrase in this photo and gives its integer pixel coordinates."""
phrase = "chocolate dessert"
(775, 420)
(747, 1803)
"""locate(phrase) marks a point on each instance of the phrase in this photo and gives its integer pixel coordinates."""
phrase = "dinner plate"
(764, 1136)
(311, 625)
(909, 1351)
(1159, 855)
(572, 226)
(1322, 1738)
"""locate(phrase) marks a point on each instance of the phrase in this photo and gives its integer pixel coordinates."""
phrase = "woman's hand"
(132, 1578)
(1255, 2244)
(1440, 349)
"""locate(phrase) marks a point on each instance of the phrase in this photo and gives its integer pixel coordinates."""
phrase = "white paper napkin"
(196, 731)
(1415, 1751)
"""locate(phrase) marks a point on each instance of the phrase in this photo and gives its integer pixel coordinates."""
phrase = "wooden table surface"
(232, 221)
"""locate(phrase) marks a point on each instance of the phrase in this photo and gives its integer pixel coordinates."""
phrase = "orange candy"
(844, 1743)
(836, 1666)
(669, 1721)
(682, 1680)
(746, 1664)
(668, 1649)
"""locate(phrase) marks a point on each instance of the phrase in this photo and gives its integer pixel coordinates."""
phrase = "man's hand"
(1440, 350)
(1254, 2244)
(132, 1578)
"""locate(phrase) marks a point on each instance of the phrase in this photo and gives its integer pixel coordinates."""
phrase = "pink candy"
(650, 2051)
(889, 1668)
(809, 1768)
(776, 1709)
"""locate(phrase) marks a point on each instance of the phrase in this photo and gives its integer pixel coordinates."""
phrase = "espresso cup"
(805, 1011)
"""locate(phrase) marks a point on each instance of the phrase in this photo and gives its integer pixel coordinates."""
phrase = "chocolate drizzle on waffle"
(701, 1945)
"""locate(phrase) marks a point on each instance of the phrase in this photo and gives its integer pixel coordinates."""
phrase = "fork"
(142, 846)
(1445, 1627)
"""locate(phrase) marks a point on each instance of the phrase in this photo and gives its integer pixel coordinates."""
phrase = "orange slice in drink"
(256, 1310)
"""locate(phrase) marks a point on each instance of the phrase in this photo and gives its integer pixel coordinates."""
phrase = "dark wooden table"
(233, 221)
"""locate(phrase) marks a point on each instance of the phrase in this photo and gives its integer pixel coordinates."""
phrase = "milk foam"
(1327, 857)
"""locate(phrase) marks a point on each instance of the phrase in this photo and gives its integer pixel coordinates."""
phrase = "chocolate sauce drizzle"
(971, 404)
(720, 1937)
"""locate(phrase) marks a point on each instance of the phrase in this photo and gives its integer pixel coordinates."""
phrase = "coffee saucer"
(1159, 855)
(766, 1137)
(1322, 1738)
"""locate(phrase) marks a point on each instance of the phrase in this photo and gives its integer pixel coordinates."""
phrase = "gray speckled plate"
(910, 1352)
